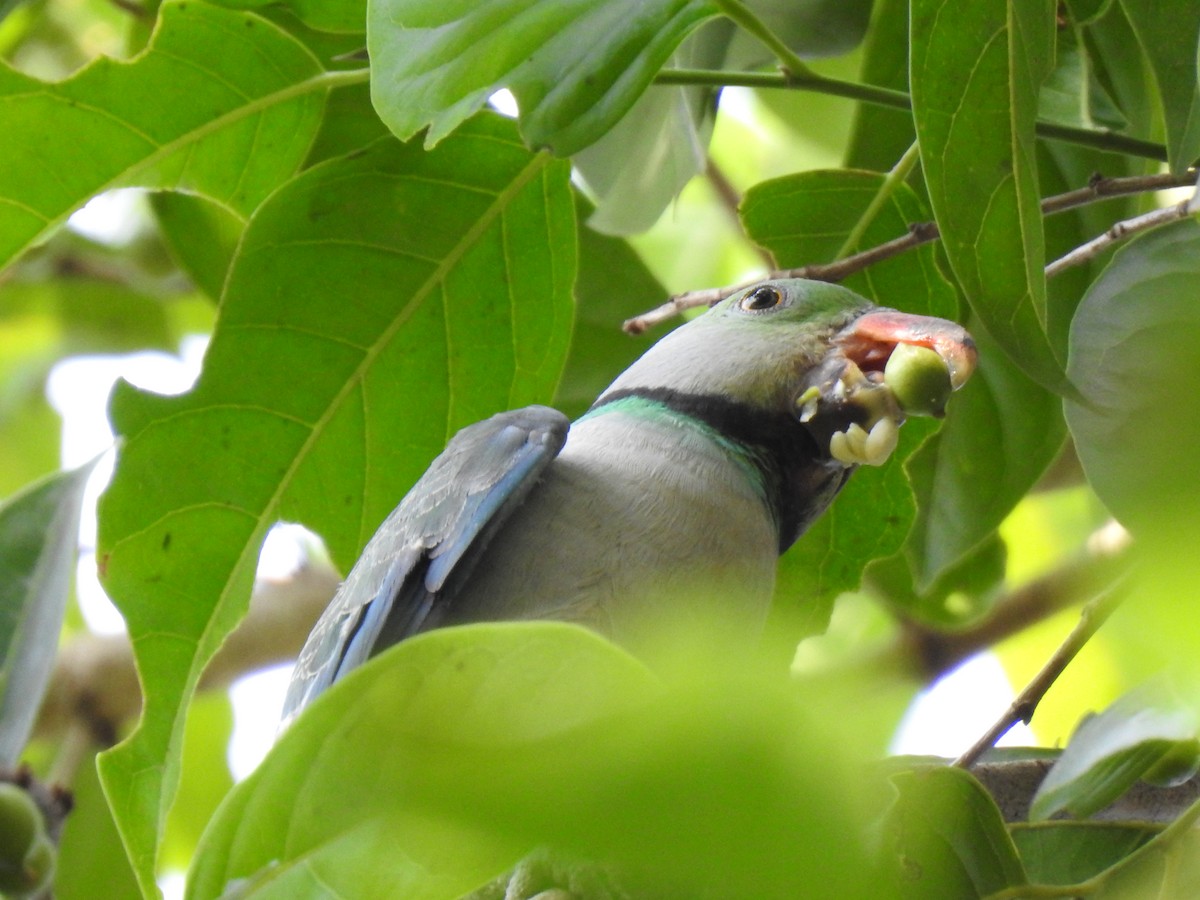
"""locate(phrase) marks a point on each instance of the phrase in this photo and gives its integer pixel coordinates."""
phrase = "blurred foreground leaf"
(463, 749)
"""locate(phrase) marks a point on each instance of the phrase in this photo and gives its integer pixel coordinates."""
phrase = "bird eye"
(765, 297)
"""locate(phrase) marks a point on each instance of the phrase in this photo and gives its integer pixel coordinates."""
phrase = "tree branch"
(1119, 232)
(1089, 573)
(95, 683)
(1093, 615)
(1099, 188)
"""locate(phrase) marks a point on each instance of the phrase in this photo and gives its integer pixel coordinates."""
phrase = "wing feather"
(437, 531)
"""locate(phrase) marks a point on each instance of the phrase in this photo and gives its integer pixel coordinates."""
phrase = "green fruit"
(26, 853)
(919, 380)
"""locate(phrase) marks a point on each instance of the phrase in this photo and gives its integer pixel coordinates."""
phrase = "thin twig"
(1077, 580)
(1101, 188)
(922, 232)
(1119, 232)
(1093, 615)
(919, 233)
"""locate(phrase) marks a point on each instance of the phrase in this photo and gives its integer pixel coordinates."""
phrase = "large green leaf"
(39, 541)
(445, 759)
(90, 852)
(574, 68)
(975, 75)
(354, 338)
(634, 170)
(341, 16)
(1112, 750)
(1167, 31)
(881, 134)
(202, 236)
(803, 219)
(947, 838)
(221, 103)
(1068, 852)
(1134, 342)
(1001, 434)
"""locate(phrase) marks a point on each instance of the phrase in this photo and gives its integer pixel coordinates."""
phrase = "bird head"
(816, 355)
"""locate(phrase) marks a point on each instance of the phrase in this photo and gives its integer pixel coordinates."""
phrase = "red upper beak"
(870, 338)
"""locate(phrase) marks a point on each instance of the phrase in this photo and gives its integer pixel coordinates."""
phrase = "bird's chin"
(855, 399)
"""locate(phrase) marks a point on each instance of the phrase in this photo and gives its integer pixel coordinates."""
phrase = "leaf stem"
(1091, 617)
(898, 174)
(806, 80)
(745, 19)
(811, 81)
(1119, 232)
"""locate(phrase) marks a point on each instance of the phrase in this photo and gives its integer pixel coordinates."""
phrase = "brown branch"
(1076, 581)
(1119, 232)
(919, 233)
(1101, 188)
(95, 683)
(1098, 188)
(1093, 615)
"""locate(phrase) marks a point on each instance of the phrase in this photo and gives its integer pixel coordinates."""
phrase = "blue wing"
(438, 530)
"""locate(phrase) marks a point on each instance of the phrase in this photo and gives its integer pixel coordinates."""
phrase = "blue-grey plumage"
(668, 502)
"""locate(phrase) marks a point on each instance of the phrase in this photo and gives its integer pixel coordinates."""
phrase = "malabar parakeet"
(667, 503)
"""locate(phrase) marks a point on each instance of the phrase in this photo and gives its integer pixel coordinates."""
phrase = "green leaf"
(1134, 341)
(880, 134)
(1001, 433)
(349, 124)
(638, 167)
(340, 16)
(90, 852)
(1112, 750)
(960, 594)
(1083, 12)
(1167, 31)
(1167, 866)
(205, 777)
(947, 838)
(244, 102)
(1071, 95)
(1070, 852)
(1120, 67)
(575, 69)
(39, 541)
(403, 718)
(976, 75)
(471, 746)
(202, 236)
(353, 340)
(1063, 167)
